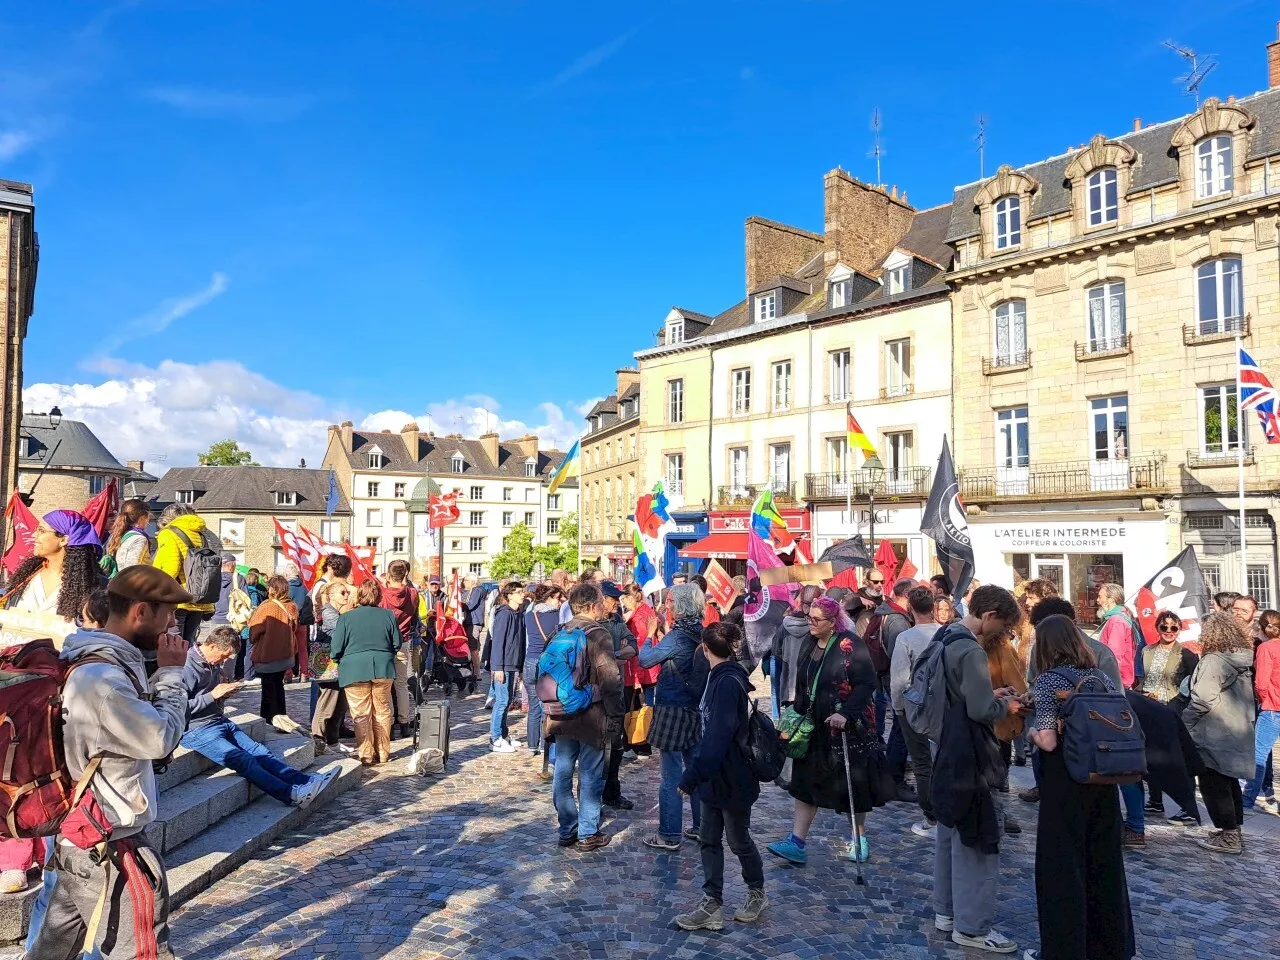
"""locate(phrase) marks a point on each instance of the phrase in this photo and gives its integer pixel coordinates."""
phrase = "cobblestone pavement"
(466, 865)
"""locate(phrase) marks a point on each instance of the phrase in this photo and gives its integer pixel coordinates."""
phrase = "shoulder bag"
(795, 730)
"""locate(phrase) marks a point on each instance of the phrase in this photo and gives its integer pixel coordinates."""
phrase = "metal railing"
(1219, 458)
(1214, 331)
(900, 390)
(905, 482)
(1104, 347)
(1009, 361)
(1065, 477)
(744, 495)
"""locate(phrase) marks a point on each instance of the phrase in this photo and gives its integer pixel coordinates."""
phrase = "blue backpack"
(1102, 741)
(562, 674)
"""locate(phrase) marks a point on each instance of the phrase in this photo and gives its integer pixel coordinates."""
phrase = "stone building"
(19, 256)
(62, 463)
(609, 483)
(500, 483)
(1099, 297)
(238, 504)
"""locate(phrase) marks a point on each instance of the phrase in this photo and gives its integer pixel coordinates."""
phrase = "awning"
(724, 545)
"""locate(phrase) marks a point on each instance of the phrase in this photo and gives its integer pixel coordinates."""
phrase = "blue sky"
(259, 217)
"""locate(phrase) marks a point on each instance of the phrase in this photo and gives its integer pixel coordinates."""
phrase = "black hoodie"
(721, 769)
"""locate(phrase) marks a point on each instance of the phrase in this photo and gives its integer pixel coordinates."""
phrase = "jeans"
(735, 825)
(1266, 733)
(670, 799)
(583, 816)
(189, 624)
(503, 692)
(533, 723)
(404, 704)
(222, 742)
(896, 751)
(921, 763)
(882, 706)
(1135, 817)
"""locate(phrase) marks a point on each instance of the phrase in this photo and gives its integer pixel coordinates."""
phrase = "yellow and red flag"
(857, 436)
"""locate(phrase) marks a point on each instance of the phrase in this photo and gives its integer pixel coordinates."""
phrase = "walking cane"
(855, 844)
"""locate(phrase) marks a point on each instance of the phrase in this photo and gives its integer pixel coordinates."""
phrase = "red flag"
(443, 510)
(102, 508)
(361, 563)
(909, 569)
(848, 577)
(886, 562)
(720, 587)
(24, 531)
(303, 548)
(1180, 587)
(454, 608)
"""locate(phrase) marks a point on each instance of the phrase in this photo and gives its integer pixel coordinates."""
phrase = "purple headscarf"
(75, 527)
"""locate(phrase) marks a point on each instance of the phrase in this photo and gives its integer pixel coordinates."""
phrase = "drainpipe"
(1275, 550)
(711, 421)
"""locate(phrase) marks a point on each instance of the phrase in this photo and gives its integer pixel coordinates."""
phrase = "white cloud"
(477, 414)
(585, 63)
(229, 104)
(14, 142)
(158, 319)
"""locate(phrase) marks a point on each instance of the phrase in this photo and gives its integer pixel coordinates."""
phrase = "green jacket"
(364, 645)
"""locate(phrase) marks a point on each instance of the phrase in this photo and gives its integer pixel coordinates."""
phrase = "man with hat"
(624, 648)
(112, 720)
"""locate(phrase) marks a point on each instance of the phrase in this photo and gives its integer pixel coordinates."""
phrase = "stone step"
(187, 764)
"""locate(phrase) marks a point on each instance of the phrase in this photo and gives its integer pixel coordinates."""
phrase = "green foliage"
(563, 554)
(517, 557)
(227, 453)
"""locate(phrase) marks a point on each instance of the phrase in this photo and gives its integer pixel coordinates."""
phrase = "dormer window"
(1213, 167)
(375, 458)
(530, 466)
(25, 446)
(184, 496)
(1008, 220)
(286, 498)
(841, 293)
(455, 463)
(675, 330)
(896, 279)
(1103, 203)
(766, 306)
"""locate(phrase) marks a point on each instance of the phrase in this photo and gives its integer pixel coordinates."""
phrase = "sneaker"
(286, 724)
(13, 881)
(659, 842)
(1030, 955)
(863, 853)
(304, 794)
(928, 829)
(570, 840)
(1019, 761)
(1269, 805)
(594, 842)
(750, 911)
(992, 942)
(1030, 796)
(503, 746)
(629, 756)
(692, 834)
(488, 703)
(1133, 840)
(943, 923)
(1154, 810)
(787, 850)
(1011, 826)
(321, 748)
(622, 803)
(1184, 819)
(1223, 841)
(905, 794)
(708, 915)
(1200, 831)
(343, 749)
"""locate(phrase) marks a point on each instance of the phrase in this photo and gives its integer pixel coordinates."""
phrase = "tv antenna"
(877, 150)
(982, 147)
(1201, 65)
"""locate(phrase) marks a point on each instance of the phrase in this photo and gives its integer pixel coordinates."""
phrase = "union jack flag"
(1257, 393)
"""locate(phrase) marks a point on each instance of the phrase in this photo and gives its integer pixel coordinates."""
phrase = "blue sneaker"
(864, 850)
(789, 851)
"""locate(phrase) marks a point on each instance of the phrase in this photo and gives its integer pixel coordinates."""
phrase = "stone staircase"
(210, 819)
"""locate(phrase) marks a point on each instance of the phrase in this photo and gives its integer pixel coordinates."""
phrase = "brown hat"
(149, 585)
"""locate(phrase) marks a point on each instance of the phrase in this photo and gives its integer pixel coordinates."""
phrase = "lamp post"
(55, 418)
(875, 468)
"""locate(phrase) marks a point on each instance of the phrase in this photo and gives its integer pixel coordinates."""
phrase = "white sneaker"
(943, 923)
(993, 942)
(344, 749)
(503, 746)
(488, 703)
(925, 829)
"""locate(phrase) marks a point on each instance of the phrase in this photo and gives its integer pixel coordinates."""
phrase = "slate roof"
(70, 445)
(248, 488)
(1156, 165)
(435, 454)
(790, 282)
(607, 409)
(927, 237)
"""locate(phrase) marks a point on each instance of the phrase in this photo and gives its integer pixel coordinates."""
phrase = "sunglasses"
(876, 582)
(1170, 629)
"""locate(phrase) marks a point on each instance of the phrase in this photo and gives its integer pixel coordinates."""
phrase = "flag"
(857, 437)
(653, 512)
(331, 501)
(909, 569)
(1178, 586)
(24, 532)
(103, 507)
(848, 577)
(443, 509)
(947, 526)
(768, 525)
(887, 563)
(846, 554)
(454, 606)
(361, 563)
(765, 606)
(303, 548)
(720, 586)
(646, 574)
(1257, 393)
(569, 467)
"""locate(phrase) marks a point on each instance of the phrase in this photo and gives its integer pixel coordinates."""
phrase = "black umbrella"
(846, 554)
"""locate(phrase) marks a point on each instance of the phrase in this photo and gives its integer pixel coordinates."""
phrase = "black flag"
(947, 526)
(847, 553)
(1180, 587)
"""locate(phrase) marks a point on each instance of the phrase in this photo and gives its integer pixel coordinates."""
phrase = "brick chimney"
(134, 465)
(1273, 60)
(527, 445)
(863, 223)
(489, 441)
(775, 248)
(345, 431)
(409, 434)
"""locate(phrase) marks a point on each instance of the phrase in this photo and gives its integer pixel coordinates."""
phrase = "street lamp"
(875, 469)
(55, 417)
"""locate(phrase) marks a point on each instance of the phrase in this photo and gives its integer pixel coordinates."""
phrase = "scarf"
(76, 528)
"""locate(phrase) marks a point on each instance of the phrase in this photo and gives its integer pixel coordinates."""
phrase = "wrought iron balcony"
(744, 495)
(906, 482)
(900, 390)
(1099, 347)
(1006, 363)
(1219, 458)
(1215, 331)
(1063, 478)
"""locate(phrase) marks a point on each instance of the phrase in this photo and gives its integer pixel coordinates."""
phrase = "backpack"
(762, 746)
(925, 700)
(562, 674)
(875, 646)
(1102, 741)
(36, 790)
(239, 608)
(201, 569)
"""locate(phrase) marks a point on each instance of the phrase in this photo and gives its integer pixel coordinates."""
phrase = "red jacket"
(640, 623)
(1266, 674)
(403, 602)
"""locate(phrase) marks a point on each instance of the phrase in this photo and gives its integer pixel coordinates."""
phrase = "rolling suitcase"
(431, 727)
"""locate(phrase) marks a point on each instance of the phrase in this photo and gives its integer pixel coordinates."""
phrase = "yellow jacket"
(171, 553)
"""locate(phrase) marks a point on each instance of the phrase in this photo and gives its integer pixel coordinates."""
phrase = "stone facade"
(19, 254)
(55, 490)
(609, 481)
(775, 249)
(251, 537)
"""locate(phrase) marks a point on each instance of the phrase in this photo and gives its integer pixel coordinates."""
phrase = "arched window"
(1104, 205)
(1213, 166)
(1008, 212)
(1011, 333)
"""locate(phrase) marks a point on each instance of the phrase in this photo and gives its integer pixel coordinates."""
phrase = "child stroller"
(452, 667)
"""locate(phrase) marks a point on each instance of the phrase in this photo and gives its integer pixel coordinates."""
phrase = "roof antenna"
(1201, 67)
(982, 147)
(877, 151)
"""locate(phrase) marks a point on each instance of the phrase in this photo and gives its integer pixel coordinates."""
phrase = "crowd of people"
(156, 642)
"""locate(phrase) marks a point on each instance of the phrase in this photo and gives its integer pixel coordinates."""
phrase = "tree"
(563, 554)
(516, 559)
(227, 453)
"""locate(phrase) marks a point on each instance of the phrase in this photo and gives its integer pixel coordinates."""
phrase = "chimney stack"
(527, 445)
(1273, 60)
(134, 465)
(345, 430)
(489, 441)
(409, 434)
(1137, 124)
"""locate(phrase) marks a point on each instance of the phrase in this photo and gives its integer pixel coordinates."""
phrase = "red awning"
(723, 545)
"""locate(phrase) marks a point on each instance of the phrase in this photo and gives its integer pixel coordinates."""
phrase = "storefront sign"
(685, 529)
(1056, 537)
(739, 521)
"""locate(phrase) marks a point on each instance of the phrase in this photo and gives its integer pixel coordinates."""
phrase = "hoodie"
(230, 581)
(103, 715)
(1221, 713)
(893, 621)
(403, 602)
(721, 768)
(171, 552)
(506, 652)
(791, 634)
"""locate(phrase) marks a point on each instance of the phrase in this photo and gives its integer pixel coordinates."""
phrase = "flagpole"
(1241, 433)
(848, 487)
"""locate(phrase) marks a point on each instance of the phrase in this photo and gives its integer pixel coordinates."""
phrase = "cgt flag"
(443, 510)
(24, 532)
(1180, 587)
(947, 526)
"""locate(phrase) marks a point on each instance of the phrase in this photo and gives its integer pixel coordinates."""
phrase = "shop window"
(1077, 576)
(1258, 584)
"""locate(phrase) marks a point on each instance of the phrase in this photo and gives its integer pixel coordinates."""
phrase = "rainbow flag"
(645, 574)
(858, 438)
(569, 467)
(768, 525)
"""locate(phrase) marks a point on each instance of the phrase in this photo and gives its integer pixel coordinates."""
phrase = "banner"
(19, 627)
(720, 586)
(800, 573)
(946, 524)
(1180, 587)
(766, 605)
(103, 507)
(361, 563)
(303, 548)
(24, 532)
(443, 509)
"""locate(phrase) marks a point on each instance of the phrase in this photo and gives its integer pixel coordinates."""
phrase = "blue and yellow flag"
(569, 467)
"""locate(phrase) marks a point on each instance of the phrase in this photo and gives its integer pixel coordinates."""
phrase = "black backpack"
(762, 746)
(201, 569)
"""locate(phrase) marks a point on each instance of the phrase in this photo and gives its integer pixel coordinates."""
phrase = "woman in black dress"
(834, 684)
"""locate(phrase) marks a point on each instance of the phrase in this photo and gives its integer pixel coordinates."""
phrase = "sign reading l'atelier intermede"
(1101, 536)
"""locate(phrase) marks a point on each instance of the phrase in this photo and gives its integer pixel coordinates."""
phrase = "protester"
(834, 686)
(127, 543)
(1118, 631)
(111, 718)
(906, 654)
(624, 651)
(331, 702)
(862, 603)
(940, 583)
(1220, 719)
(1081, 895)
(784, 653)
(1166, 664)
(365, 643)
(966, 869)
(722, 780)
(642, 621)
(211, 734)
(582, 738)
(181, 529)
(233, 603)
(1245, 609)
(271, 636)
(541, 621)
(1225, 600)
(1266, 674)
(401, 598)
(674, 732)
(474, 604)
(944, 611)
(506, 663)
(301, 599)
(1008, 671)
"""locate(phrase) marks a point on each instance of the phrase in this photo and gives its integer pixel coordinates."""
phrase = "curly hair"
(80, 577)
(1221, 633)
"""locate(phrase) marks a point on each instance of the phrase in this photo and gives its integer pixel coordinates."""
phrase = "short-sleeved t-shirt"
(1045, 693)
